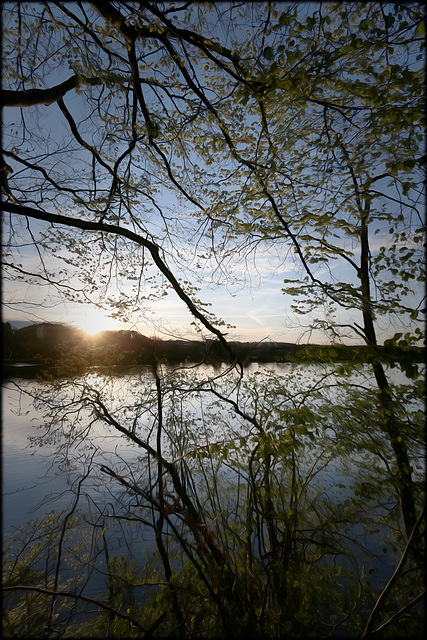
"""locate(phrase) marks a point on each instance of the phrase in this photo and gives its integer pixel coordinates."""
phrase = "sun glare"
(94, 322)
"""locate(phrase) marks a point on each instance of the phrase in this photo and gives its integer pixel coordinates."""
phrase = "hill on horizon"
(62, 344)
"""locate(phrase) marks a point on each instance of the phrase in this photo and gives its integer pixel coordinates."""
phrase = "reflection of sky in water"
(132, 401)
(31, 478)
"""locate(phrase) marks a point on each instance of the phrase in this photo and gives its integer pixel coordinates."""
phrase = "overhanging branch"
(33, 97)
(117, 230)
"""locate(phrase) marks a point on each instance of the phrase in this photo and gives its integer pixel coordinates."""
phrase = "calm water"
(35, 482)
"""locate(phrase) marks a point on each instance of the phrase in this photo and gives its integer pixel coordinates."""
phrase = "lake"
(32, 481)
(51, 439)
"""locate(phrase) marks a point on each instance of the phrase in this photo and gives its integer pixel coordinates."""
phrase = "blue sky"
(248, 294)
(251, 300)
(253, 303)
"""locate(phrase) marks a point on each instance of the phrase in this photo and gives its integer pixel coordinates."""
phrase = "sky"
(255, 306)
(252, 301)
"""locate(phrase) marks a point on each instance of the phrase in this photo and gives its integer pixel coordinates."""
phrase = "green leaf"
(268, 53)
(389, 21)
(284, 19)
(421, 29)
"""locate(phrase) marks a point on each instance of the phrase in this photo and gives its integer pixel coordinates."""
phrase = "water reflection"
(297, 433)
(29, 470)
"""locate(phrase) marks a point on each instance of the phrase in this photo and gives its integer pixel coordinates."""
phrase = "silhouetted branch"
(33, 97)
(117, 230)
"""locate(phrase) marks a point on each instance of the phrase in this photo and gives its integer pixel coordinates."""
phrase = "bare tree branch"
(33, 97)
(117, 230)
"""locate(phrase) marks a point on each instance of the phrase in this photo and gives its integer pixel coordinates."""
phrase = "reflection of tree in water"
(257, 514)
(175, 145)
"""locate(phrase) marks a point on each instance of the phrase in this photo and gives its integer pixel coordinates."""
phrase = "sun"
(95, 321)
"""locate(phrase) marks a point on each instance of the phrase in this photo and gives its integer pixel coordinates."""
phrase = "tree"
(292, 127)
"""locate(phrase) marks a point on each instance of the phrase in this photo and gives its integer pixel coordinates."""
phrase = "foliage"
(279, 522)
(158, 146)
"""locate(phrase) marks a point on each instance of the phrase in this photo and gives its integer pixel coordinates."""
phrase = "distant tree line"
(53, 344)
